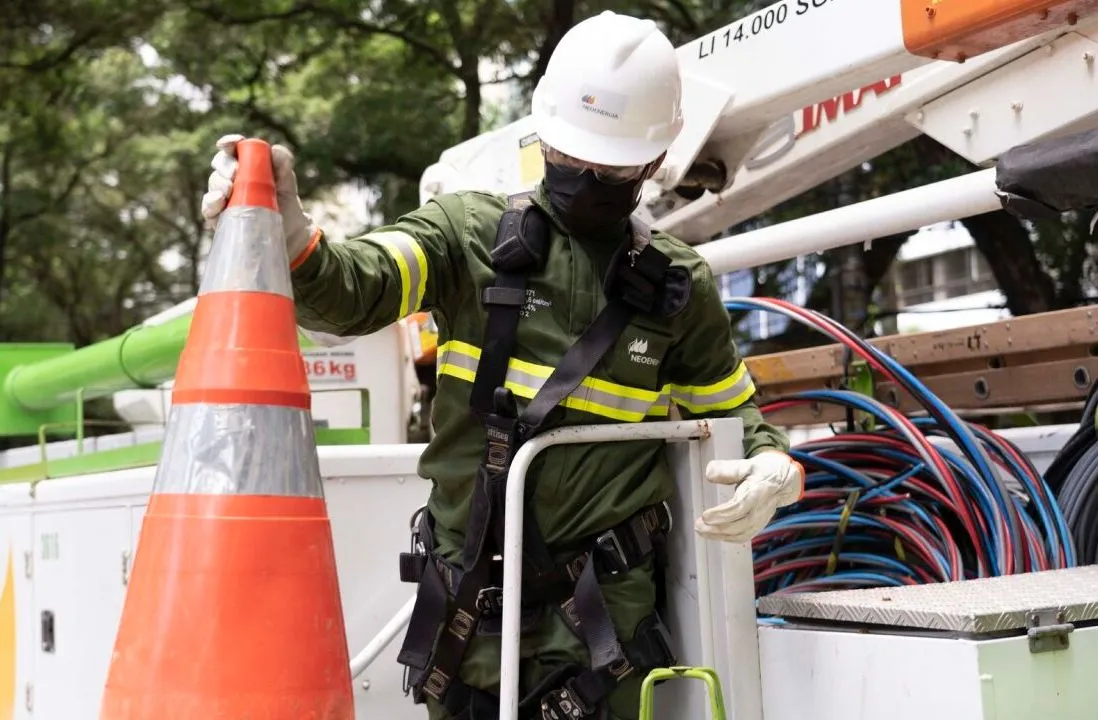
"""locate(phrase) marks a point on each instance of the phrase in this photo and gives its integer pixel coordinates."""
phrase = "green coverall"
(437, 258)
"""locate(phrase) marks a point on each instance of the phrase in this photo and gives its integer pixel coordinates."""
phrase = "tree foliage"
(109, 112)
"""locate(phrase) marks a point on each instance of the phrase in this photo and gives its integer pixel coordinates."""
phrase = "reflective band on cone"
(233, 608)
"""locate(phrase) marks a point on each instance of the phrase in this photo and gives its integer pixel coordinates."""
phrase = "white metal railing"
(377, 645)
(513, 528)
(740, 642)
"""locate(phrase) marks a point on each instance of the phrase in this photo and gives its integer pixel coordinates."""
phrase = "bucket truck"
(775, 103)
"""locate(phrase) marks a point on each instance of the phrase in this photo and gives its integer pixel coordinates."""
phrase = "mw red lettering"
(813, 116)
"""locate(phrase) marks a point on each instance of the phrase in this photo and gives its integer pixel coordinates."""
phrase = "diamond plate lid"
(973, 606)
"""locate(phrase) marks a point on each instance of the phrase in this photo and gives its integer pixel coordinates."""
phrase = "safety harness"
(453, 603)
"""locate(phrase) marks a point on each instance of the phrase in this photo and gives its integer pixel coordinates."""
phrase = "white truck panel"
(1007, 648)
(78, 583)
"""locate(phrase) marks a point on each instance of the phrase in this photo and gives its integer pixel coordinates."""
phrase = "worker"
(553, 308)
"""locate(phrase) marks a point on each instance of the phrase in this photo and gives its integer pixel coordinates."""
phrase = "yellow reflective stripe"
(726, 394)
(412, 263)
(625, 391)
(599, 397)
(445, 367)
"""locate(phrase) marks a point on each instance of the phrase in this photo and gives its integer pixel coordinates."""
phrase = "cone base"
(232, 613)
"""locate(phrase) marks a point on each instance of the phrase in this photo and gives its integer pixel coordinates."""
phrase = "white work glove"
(296, 225)
(764, 483)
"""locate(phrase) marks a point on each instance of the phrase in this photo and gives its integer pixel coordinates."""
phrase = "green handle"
(707, 675)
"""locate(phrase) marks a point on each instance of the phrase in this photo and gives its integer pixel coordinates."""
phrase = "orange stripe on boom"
(960, 29)
(242, 348)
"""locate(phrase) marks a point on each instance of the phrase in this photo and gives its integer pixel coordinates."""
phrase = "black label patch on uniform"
(639, 355)
(677, 289)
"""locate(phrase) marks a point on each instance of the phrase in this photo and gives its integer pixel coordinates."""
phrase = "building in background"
(939, 280)
(797, 280)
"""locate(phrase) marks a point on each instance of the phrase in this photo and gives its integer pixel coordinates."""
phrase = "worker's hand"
(764, 483)
(297, 226)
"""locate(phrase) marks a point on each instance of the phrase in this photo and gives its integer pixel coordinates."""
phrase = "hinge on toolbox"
(1047, 631)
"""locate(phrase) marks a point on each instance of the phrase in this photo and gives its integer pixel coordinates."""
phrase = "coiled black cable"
(1073, 477)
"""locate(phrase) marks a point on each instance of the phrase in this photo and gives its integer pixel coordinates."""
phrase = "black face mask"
(586, 205)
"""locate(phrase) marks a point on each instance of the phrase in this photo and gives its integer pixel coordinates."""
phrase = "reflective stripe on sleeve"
(597, 397)
(726, 394)
(409, 257)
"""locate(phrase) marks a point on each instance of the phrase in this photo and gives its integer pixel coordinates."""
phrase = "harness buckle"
(564, 704)
(613, 553)
(417, 546)
(499, 432)
(497, 448)
(490, 600)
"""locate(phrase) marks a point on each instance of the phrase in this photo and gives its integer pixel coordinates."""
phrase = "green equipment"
(705, 674)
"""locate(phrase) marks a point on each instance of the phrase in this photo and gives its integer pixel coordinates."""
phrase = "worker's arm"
(710, 379)
(707, 374)
(361, 285)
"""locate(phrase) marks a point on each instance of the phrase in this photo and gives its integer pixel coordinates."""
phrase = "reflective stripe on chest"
(598, 397)
(604, 398)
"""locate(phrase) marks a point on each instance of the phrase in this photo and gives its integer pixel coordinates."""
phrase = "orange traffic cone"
(233, 608)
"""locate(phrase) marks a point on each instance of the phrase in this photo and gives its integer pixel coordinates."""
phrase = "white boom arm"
(797, 93)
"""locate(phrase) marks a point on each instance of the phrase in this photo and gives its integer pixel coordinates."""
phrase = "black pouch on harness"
(442, 624)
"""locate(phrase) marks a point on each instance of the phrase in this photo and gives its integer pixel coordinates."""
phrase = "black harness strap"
(614, 551)
(512, 255)
(576, 364)
(521, 245)
(633, 284)
(567, 692)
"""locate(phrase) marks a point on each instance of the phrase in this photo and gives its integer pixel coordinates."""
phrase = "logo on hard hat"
(611, 106)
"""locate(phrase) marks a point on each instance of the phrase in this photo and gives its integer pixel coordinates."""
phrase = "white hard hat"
(611, 93)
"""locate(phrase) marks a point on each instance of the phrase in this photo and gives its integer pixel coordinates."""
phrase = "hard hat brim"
(596, 148)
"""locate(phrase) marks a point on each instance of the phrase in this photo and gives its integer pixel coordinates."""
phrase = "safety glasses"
(609, 174)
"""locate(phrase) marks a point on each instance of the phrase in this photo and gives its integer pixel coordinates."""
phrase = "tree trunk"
(561, 18)
(5, 212)
(470, 77)
(851, 301)
(1009, 252)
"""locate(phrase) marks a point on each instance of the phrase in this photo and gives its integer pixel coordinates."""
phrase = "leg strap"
(571, 692)
(617, 550)
(576, 597)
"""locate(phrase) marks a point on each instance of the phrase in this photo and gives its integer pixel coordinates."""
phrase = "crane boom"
(766, 101)
(1029, 90)
(796, 52)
